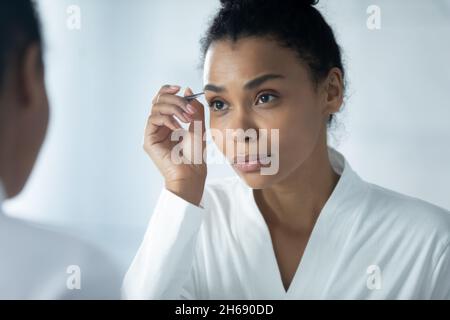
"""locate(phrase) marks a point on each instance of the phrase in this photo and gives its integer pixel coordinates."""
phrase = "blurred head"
(23, 98)
(272, 64)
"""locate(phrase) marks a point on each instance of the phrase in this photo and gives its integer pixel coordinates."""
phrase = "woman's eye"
(265, 98)
(218, 105)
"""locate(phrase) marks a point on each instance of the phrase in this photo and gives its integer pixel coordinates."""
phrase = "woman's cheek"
(295, 133)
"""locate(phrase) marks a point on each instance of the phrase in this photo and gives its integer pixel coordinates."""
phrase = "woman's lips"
(251, 163)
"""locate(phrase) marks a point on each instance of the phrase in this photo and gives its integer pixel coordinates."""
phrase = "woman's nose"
(243, 128)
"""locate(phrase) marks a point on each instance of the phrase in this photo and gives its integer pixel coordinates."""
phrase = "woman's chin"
(256, 180)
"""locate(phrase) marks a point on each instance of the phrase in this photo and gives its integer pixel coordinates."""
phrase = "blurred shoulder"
(53, 254)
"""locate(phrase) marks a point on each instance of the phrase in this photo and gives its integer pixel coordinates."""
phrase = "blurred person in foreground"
(35, 263)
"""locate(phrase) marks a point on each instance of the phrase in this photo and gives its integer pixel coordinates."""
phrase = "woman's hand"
(185, 179)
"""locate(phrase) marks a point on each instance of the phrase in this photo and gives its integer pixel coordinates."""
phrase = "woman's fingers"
(167, 89)
(166, 106)
(168, 98)
(170, 109)
(158, 120)
(199, 114)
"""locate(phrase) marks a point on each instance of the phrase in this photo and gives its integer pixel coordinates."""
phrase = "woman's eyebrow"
(252, 84)
(214, 88)
(248, 86)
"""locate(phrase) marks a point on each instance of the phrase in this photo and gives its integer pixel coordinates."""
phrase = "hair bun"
(239, 3)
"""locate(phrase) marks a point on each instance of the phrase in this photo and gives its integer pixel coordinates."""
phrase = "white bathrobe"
(368, 243)
(38, 263)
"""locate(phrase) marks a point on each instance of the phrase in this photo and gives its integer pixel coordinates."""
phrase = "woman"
(314, 229)
(36, 262)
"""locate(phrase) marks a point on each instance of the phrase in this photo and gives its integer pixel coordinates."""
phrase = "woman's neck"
(297, 201)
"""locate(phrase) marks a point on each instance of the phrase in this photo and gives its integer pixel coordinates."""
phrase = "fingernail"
(187, 116)
(175, 87)
(191, 109)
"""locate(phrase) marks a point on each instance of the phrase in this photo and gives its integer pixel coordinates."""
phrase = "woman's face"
(255, 83)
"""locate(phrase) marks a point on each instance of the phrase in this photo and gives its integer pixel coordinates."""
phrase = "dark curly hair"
(19, 27)
(295, 24)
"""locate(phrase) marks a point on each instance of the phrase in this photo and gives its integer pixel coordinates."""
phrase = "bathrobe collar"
(325, 244)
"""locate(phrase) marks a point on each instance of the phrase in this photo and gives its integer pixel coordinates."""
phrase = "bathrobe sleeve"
(164, 265)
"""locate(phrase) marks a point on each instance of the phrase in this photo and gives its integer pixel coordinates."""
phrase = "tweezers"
(194, 96)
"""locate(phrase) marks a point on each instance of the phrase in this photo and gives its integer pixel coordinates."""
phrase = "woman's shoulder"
(413, 214)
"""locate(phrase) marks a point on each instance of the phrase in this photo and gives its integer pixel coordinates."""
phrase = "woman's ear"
(31, 86)
(333, 92)
(31, 115)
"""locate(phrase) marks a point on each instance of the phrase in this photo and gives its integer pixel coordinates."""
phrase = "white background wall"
(93, 177)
